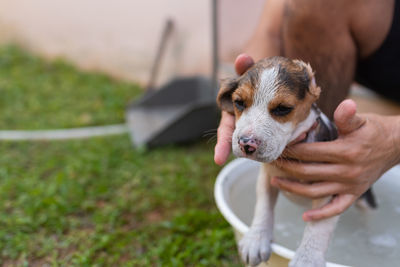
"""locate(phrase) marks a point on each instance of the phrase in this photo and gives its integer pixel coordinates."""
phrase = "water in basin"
(361, 238)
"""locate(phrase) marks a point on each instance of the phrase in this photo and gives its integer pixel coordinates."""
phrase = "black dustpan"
(182, 110)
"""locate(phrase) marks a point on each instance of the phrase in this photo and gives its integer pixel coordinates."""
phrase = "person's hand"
(227, 123)
(345, 168)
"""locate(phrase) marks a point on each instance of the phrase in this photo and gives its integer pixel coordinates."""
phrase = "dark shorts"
(381, 70)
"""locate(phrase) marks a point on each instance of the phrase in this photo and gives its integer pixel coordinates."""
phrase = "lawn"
(36, 94)
(99, 202)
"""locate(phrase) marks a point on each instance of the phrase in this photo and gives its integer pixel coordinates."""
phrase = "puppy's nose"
(248, 144)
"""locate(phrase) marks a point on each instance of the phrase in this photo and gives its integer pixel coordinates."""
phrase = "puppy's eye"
(281, 110)
(240, 105)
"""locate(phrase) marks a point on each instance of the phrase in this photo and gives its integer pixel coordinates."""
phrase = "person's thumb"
(242, 63)
(346, 118)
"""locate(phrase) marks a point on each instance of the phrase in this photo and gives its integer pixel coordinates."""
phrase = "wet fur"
(268, 83)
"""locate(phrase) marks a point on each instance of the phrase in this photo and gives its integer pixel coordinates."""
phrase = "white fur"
(267, 87)
(255, 246)
(273, 136)
(256, 122)
(315, 241)
(304, 125)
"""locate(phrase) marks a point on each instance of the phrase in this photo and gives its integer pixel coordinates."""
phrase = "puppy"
(273, 104)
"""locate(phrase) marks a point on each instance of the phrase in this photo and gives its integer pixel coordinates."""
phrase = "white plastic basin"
(362, 238)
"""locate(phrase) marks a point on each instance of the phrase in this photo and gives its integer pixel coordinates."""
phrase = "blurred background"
(121, 37)
(99, 201)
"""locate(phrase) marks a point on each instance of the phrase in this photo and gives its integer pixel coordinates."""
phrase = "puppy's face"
(269, 102)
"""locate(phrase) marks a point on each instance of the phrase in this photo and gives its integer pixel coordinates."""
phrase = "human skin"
(368, 144)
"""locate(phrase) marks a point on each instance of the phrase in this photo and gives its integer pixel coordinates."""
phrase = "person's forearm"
(266, 40)
(262, 46)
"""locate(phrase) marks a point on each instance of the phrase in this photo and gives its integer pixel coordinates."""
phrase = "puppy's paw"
(255, 246)
(304, 260)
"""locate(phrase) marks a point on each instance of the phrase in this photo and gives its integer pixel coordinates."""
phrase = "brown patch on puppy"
(297, 89)
(224, 98)
(303, 108)
(243, 87)
(293, 74)
(248, 82)
(313, 89)
(244, 94)
(287, 99)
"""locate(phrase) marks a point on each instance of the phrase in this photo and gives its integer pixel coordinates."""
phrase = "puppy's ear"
(224, 98)
(313, 89)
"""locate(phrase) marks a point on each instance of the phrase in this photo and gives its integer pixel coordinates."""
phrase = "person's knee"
(313, 16)
(317, 32)
(315, 27)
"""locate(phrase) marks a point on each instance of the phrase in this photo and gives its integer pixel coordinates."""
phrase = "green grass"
(98, 202)
(36, 94)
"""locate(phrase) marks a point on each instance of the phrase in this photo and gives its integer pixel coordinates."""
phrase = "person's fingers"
(315, 190)
(315, 172)
(336, 206)
(225, 130)
(227, 124)
(347, 121)
(332, 151)
(345, 117)
(242, 63)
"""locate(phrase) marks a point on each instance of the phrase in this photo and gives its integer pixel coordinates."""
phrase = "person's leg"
(318, 32)
(330, 35)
